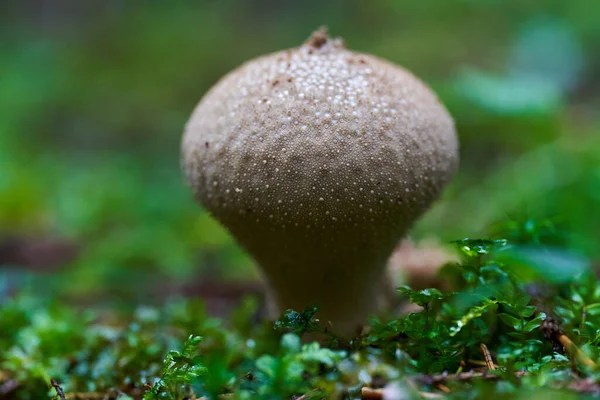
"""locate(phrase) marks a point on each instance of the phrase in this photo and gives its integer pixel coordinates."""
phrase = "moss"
(492, 331)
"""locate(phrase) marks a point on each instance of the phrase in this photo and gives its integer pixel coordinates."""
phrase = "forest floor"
(514, 318)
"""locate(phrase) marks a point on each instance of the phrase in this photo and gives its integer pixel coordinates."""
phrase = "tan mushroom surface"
(318, 159)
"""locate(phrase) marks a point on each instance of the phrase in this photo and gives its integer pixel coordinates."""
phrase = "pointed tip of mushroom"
(320, 38)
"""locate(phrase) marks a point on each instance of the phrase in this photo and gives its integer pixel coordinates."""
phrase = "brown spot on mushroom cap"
(335, 164)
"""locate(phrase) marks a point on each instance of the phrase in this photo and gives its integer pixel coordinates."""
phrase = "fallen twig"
(489, 362)
(88, 396)
(429, 395)
(378, 394)
(307, 396)
(371, 394)
(553, 333)
(584, 386)
(8, 387)
(442, 388)
(575, 351)
(463, 376)
(111, 394)
(477, 362)
(59, 391)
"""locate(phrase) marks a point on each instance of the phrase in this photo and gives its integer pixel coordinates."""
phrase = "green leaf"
(474, 312)
(290, 342)
(546, 264)
(298, 322)
(314, 353)
(522, 301)
(421, 297)
(535, 323)
(527, 311)
(268, 365)
(478, 247)
(593, 309)
(511, 321)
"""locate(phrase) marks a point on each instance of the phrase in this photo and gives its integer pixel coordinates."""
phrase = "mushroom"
(318, 159)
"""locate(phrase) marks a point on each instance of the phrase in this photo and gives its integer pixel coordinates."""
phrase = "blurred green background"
(94, 97)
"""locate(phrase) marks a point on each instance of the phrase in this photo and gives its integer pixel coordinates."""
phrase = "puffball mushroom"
(318, 159)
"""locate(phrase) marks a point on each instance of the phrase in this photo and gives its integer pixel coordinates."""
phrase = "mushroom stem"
(345, 283)
(342, 308)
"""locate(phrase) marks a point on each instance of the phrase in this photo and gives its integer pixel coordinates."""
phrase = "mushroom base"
(343, 311)
(343, 272)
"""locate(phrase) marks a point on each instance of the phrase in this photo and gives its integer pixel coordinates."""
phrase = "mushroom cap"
(318, 159)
